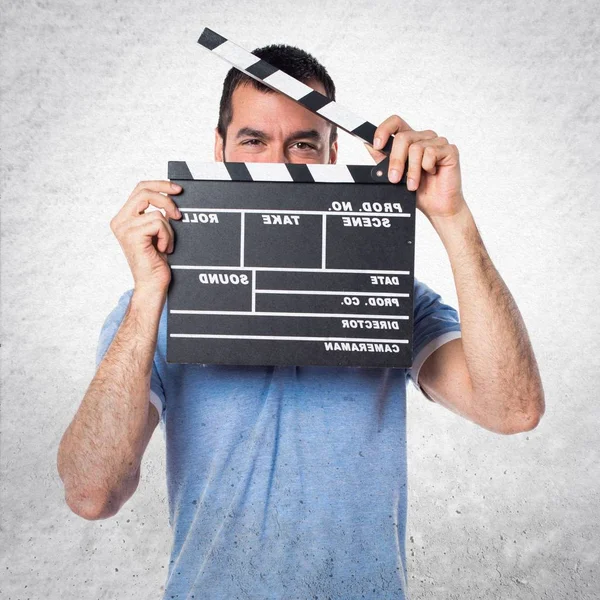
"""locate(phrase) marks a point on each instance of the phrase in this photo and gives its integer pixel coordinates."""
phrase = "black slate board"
(291, 272)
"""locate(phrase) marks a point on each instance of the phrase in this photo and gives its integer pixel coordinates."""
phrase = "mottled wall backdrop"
(99, 95)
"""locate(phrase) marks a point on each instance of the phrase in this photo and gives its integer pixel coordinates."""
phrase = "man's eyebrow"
(248, 131)
(306, 134)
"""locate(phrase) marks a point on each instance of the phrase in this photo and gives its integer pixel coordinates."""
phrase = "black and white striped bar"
(283, 172)
(278, 264)
(277, 80)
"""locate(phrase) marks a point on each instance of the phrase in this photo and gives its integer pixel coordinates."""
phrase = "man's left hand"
(433, 166)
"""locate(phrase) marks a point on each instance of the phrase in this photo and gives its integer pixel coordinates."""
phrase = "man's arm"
(101, 451)
(490, 375)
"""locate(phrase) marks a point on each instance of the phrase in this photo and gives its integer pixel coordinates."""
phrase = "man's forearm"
(100, 453)
(506, 382)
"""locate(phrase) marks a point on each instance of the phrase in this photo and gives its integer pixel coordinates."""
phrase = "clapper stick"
(277, 80)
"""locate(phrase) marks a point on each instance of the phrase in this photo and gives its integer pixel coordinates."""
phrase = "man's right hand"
(147, 237)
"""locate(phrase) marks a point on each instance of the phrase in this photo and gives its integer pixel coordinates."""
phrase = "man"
(290, 482)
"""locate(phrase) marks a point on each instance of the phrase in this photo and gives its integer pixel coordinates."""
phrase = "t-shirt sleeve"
(107, 334)
(435, 323)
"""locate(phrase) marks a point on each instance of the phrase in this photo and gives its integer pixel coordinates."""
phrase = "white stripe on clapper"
(340, 116)
(288, 85)
(236, 55)
(268, 171)
(330, 173)
(208, 171)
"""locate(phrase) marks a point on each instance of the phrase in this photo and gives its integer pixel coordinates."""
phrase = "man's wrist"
(147, 305)
(149, 295)
(455, 231)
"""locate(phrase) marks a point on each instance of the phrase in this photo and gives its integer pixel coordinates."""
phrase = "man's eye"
(304, 146)
(251, 142)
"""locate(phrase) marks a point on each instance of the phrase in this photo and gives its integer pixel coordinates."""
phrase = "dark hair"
(291, 60)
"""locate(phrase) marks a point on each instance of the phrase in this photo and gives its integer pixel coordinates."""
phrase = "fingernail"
(411, 184)
(175, 186)
(394, 176)
(377, 143)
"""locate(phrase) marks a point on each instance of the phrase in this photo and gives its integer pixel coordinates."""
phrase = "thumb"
(375, 154)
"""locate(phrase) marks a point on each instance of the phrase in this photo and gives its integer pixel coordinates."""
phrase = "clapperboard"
(290, 264)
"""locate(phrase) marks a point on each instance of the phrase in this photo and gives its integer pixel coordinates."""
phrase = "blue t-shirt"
(287, 482)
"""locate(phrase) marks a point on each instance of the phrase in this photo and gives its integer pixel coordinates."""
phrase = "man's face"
(269, 127)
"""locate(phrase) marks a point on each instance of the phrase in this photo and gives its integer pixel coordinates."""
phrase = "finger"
(375, 154)
(445, 154)
(415, 160)
(428, 155)
(139, 202)
(390, 126)
(157, 186)
(157, 220)
(429, 160)
(400, 148)
(154, 227)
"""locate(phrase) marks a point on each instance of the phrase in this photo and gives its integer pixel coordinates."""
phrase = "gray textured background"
(99, 95)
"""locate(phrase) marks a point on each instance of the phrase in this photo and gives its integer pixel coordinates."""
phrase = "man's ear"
(333, 152)
(218, 146)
